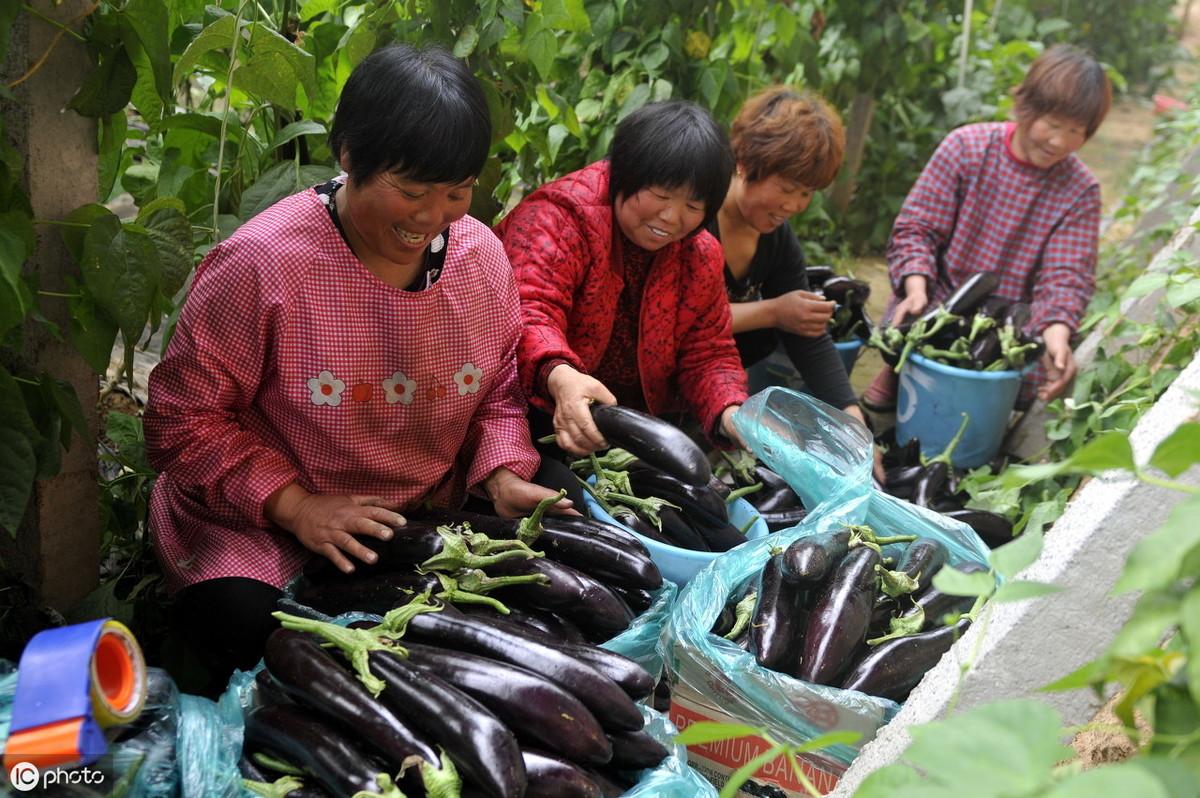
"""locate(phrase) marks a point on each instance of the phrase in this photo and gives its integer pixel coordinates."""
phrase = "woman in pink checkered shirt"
(346, 355)
(1011, 198)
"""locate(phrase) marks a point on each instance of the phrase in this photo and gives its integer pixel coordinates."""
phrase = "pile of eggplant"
(831, 610)
(570, 578)
(972, 329)
(850, 321)
(934, 483)
(658, 482)
(777, 504)
(433, 702)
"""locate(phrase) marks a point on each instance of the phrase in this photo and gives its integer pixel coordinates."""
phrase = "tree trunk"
(862, 111)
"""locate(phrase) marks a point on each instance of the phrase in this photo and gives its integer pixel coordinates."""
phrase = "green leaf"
(1155, 561)
(1179, 451)
(1113, 779)
(273, 67)
(1183, 293)
(588, 109)
(148, 20)
(828, 740)
(305, 127)
(61, 394)
(709, 732)
(1189, 625)
(1012, 558)
(165, 221)
(1087, 675)
(217, 36)
(1004, 748)
(636, 99)
(314, 8)
(127, 435)
(655, 56)
(555, 137)
(1111, 450)
(1155, 613)
(956, 583)
(464, 45)
(281, 180)
(107, 88)
(1021, 590)
(18, 459)
(92, 332)
(901, 781)
(542, 47)
(112, 143)
(1146, 284)
(122, 272)
(16, 300)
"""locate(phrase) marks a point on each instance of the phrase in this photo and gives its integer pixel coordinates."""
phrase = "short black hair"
(418, 112)
(671, 144)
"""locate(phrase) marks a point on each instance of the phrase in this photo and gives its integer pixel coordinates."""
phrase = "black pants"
(226, 622)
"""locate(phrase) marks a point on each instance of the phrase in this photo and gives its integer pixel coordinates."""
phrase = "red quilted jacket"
(561, 241)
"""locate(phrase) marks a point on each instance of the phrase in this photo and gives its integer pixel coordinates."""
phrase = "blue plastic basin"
(679, 565)
(933, 397)
(848, 352)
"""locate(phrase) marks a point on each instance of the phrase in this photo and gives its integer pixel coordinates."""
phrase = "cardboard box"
(716, 761)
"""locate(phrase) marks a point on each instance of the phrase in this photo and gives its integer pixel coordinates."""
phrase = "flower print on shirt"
(468, 379)
(399, 388)
(326, 389)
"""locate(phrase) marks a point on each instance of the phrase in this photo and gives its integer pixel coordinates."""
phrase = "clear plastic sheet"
(829, 466)
(640, 641)
(673, 778)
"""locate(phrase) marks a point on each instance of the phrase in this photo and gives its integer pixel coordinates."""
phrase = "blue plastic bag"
(672, 778)
(829, 466)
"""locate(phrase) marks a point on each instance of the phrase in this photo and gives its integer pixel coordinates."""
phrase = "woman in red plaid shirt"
(348, 354)
(1011, 198)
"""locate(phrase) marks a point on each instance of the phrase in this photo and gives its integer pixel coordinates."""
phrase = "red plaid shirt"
(978, 208)
(293, 363)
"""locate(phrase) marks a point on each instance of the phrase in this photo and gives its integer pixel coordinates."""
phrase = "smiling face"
(655, 217)
(765, 204)
(390, 220)
(1048, 139)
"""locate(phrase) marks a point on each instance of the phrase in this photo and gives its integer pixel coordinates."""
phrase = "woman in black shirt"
(787, 145)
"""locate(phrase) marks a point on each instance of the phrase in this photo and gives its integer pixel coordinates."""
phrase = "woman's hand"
(573, 393)
(915, 299)
(1059, 361)
(326, 525)
(513, 497)
(727, 428)
(802, 313)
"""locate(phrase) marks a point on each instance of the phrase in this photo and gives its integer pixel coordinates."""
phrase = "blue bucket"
(848, 352)
(678, 565)
(933, 397)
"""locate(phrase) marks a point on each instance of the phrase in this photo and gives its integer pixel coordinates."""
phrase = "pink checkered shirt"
(977, 208)
(293, 363)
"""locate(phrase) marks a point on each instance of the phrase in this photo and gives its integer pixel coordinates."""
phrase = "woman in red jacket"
(622, 289)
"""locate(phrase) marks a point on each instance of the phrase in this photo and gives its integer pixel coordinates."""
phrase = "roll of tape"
(118, 688)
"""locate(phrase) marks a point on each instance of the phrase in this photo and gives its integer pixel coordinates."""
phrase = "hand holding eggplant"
(574, 393)
(802, 313)
(513, 497)
(915, 299)
(326, 525)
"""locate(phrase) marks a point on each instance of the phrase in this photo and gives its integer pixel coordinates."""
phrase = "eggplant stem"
(948, 452)
(387, 789)
(275, 764)
(356, 644)
(441, 782)
(273, 789)
(743, 611)
(746, 491)
(530, 528)
(902, 627)
(551, 438)
(895, 583)
(745, 530)
(395, 622)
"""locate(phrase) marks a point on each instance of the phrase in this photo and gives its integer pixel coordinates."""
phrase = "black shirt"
(777, 268)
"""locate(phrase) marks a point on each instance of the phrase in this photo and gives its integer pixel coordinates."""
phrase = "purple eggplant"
(922, 558)
(809, 560)
(378, 592)
(653, 441)
(693, 500)
(481, 747)
(546, 625)
(839, 619)
(930, 484)
(585, 601)
(636, 750)
(992, 528)
(638, 600)
(783, 519)
(594, 528)
(679, 532)
(312, 677)
(604, 697)
(531, 705)
(895, 667)
(936, 604)
(550, 776)
(777, 627)
(632, 677)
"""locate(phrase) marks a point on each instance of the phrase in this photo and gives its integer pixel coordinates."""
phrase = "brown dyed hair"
(795, 135)
(1064, 81)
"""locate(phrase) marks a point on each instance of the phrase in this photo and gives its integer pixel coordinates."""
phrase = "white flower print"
(326, 389)
(468, 379)
(437, 243)
(399, 388)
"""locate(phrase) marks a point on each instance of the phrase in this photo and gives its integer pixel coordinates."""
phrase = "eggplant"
(679, 532)
(846, 291)
(595, 528)
(985, 349)
(585, 601)
(922, 558)
(311, 676)
(881, 616)
(718, 487)
(839, 619)
(1017, 316)
(947, 502)
(481, 747)
(599, 556)
(930, 483)
(317, 748)
(550, 776)
(993, 529)
(611, 783)
(808, 560)
(410, 544)
(769, 478)
(631, 677)
(723, 625)
(636, 750)
(653, 441)
(601, 695)
(817, 275)
(638, 600)
(783, 519)
(937, 605)
(718, 535)
(268, 690)
(776, 499)
(971, 293)
(250, 771)
(378, 593)
(647, 482)
(901, 477)
(531, 705)
(896, 666)
(777, 627)
(995, 308)
(539, 624)
(629, 517)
